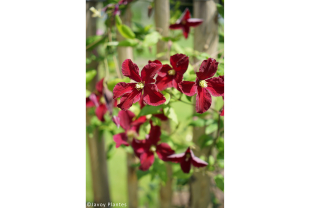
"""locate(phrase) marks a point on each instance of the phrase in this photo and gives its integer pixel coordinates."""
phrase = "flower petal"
(154, 135)
(164, 70)
(149, 71)
(89, 103)
(122, 88)
(186, 165)
(203, 100)
(100, 111)
(176, 157)
(188, 88)
(216, 86)
(95, 99)
(151, 95)
(161, 116)
(185, 29)
(139, 146)
(179, 62)
(99, 86)
(120, 139)
(175, 26)
(146, 160)
(129, 99)
(186, 15)
(125, 118)
(163, 150)
(207, 69)
(135, 125)
(116, 120)
(164, 82)
(193, 22)
(131, 70)
(198, 162)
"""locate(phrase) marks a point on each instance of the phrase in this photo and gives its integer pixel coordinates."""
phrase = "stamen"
(187, 156)
(139, 86)
(171, 72)
(153, 148)
(203, 83)
(131, 134)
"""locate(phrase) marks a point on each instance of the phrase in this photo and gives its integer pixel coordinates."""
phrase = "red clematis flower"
(185, 22)
(101, 109)
(171, 76)
(145, 149)
(186, 160)
(131, 127)
(132, 92)
(205, 86)
(222, 111)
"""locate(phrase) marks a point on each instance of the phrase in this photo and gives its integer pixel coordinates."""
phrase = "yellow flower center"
(187, 156)
(183, 22)
(139, 86)
(203, 83)
(131, 134)
(153, 148)
(171, 72)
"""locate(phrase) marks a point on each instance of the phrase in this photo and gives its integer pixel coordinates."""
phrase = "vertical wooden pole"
(100, 180)
(205, 40)
(132, 180)
(162, 17)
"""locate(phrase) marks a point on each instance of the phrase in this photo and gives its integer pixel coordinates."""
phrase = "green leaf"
(198, 122)
(220, 144)
(211, 160)
(170, 113)
(160, 168)
(211, 128)
(111, 84)
(129, 42)
(93, 41)
(220, 9)
(167, 96)
(189, 98)
(148, 109)
(178, 48)
(118, 20)
(90, 75)
(219, 180)
(205, 140)
(151, 39)
(141, 173)
(88, 93)
(126, 32)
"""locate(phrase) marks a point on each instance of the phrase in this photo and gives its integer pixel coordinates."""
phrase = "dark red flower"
(205, 86)
(94, 101)
(132, 92)
(131, 127)
(186, 160)
(145, 149)
(185, 22)
(171, 76)
(222, 110)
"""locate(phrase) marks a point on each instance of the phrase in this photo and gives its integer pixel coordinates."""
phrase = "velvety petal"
(164, 82)
(146, 160)
(163, 150)
(120, 139)
(100, 111)
(149, 71)
(175, 26)
(207, 69)
(161, 116)
(155, 61)
(141, 103)
(154, 135)
(203, 100)
(198, 162)
(186, 165)
(109, 101)
(136, 98)
(126, 103)
(151, 96)
(125, 118)
(185, 29)
(116, 120)
(139, 146)
(139, 121)
(216, 86)
(164, 70)
(186, 15)
(131, 70)
(176, 157)
(188, 88)
(179, 62)
(99, 86)
(95, 99)
(193, 22)
(222, 111)
(122, 88)
(89, 103)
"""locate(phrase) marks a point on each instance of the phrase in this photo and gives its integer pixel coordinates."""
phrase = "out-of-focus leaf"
(211, 128)
(93, 41)
(141, 173)
(148, 109)
(178, 48)
(211, 160)
(198, 122)
(90, 75)
(129, 42)
(151, 39)
(189, 98)
(205, 140)
(219, 180)
(220, 9)
(118, 20)
(170, 113)
(160, 168)
(167, 96)
(220, 144)
(88, 93)
(125, 31)
(111, 84)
